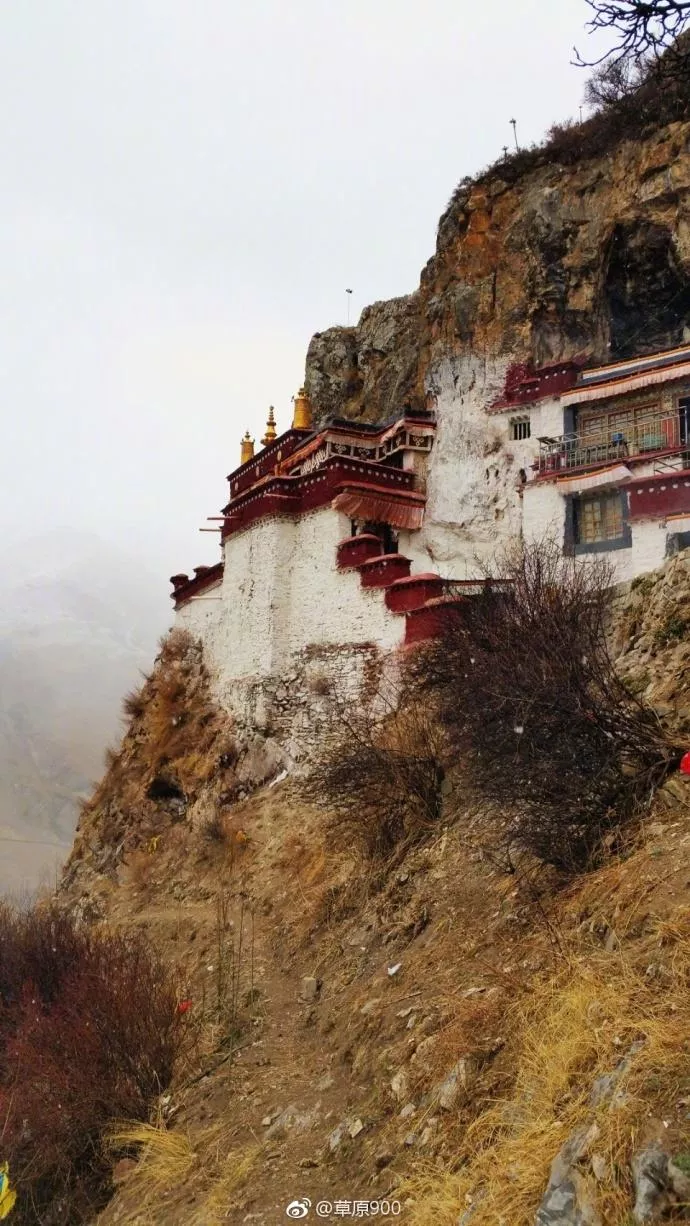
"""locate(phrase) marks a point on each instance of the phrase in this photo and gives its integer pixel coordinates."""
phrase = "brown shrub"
(553, 741)
(134, 703)
(216, 828)
(175, 645)
(111, 758)
(89, 1032)
(383, 777)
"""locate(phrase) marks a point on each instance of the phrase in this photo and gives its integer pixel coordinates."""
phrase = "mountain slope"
(78, 620)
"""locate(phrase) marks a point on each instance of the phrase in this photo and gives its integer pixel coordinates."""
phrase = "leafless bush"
(89, 1032)
(644, 29)
(560, 750)
(611, 83)
(384, 776)
(134, 702)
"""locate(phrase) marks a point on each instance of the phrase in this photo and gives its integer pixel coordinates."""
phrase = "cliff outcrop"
(589, 258)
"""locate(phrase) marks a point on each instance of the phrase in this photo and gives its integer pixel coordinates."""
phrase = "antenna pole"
(514, 123)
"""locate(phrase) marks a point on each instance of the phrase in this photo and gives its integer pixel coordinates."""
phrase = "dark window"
(520, 428)
(387, 536)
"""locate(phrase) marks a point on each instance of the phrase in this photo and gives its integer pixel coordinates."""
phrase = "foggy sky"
(188, 187)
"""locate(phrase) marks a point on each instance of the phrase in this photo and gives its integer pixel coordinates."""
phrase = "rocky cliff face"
(591, 258)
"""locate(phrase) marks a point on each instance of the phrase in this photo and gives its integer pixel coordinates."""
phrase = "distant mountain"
(79, 619)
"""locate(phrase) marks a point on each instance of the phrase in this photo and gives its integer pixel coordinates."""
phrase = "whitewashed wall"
(474, 487)
(202, 614)
(283, 594)
(649, 537)
(543, 511)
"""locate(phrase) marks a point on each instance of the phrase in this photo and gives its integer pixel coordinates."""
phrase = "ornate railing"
(646, 436)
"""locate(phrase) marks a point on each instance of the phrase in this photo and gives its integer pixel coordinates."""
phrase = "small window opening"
(387, 536)
(520, 428)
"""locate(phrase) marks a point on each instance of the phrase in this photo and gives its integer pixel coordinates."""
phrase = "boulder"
(566, 1201)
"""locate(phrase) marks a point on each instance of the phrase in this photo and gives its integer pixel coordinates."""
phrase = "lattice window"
(598, 518)
(520, 428)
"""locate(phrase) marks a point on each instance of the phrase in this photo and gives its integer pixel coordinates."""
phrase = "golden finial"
(301, 419)
(271, 432)
(246, 448)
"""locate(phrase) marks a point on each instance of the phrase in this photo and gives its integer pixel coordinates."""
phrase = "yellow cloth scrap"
(7, 1194)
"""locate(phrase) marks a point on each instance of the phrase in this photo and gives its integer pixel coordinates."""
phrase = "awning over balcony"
(633, 383)
(580, 482)
(400, 510)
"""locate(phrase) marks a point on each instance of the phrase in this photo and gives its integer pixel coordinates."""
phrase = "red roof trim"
(525, 384)
(281, 495)
(206, 576)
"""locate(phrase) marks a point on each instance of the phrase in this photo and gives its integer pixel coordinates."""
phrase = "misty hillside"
(78, 620)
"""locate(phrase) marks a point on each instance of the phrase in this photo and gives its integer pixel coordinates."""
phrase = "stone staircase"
(422, 599)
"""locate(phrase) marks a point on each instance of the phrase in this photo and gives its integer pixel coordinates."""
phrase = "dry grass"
(134, 702)
(382, 779)
(203, 1171)
(575, 1027)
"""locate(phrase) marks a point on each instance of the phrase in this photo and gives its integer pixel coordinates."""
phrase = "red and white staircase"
(421, 599)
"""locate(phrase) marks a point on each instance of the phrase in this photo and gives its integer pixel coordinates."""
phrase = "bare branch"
(645, 29)
(561, 752)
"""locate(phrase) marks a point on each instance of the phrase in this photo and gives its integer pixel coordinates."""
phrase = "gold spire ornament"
(271, 432)
(301, 418)
(246, 449)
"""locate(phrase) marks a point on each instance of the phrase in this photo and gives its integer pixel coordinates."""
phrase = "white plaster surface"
(543, 511)
(474, 485)
(281, 595)
(648, 551)
(202, 614)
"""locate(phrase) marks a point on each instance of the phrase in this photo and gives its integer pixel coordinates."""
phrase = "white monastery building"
(343, 543)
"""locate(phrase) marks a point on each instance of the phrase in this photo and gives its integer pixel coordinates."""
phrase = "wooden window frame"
(574, 544)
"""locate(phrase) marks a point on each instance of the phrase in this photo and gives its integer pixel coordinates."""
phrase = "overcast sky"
(188, 187)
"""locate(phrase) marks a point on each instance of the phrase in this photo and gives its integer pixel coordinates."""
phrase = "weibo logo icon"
(298, 1208)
